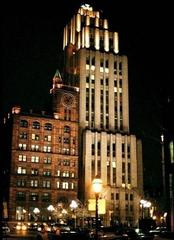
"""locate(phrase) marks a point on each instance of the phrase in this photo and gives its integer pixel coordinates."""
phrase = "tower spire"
(57, 81)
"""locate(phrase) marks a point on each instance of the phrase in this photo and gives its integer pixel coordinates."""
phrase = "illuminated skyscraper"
(108, 149)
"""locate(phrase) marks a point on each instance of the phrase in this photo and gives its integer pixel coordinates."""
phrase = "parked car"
(145, 235)
(110, 233)
(158, 230)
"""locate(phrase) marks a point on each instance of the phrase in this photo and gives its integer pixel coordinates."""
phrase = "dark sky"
(31, 48)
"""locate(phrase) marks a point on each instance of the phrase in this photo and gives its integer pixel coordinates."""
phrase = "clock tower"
(64, 99)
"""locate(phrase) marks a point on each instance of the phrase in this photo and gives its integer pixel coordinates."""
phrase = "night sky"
(32, 45)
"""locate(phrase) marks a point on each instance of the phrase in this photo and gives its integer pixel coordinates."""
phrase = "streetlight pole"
(74, 205)
(51, 209)
(97, 186)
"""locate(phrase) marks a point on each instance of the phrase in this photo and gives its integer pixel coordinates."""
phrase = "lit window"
(34, 183)
(58, 184)
(34, 147)
(35, 159)
(72, 185)
(35, 137)
(46, 184)
(21, 170)
(22, 146)
(47, 149)
(22, 158)
(65, 185)
(72, 174)
(47, 138)
(65, 174)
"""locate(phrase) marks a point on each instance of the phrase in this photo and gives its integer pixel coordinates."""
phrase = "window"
(58, 184)
(47, 149)
(66, 151)
(22, 146)
(20, 196)
(65, 174)
(131, 197)
(66, 140)
(93, 61)
(66, 129)
(23, 135)
(35, 137)
(65, 185)
(87, 60)
(46, 197)
(72, 174)
(22, 158)
(47, 138)
(21, 183)
(23, 123)
(123, 167)
(48, 126)
(34, 183)
(47, 173)
(21, 170)
(34, 147)
(34, 197)
(117, 196)
(46, 184)
(47, 160)
(58, 173)
(36, 125)
(66, 162)
(92, 149)
(35, 159)
(34, 171)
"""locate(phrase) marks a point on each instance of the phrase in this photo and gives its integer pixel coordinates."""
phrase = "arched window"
(48, 126)
(36, 125)
(23, 123)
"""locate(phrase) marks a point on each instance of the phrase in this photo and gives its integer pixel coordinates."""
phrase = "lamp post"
(73, 206)
(50, 208)
(145, 204)
(97, 186)
(36, 212)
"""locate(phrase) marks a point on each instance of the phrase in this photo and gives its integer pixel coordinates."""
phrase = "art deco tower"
(108, 149)
(93, 64)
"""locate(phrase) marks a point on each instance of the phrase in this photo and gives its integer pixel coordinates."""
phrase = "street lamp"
(36, 212)
(50, 208)
(97, 187)
(145, 204)
(73, 206)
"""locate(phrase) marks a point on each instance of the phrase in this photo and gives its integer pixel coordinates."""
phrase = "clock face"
(67, 99)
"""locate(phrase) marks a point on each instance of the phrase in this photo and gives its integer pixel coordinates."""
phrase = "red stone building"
(44, 156)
